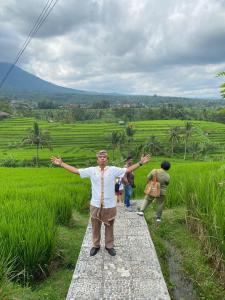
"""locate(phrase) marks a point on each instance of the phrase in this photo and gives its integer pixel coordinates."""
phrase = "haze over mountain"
(21, 85)
(22, 81)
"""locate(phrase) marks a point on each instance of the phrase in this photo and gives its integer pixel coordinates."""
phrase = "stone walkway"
(134, 273)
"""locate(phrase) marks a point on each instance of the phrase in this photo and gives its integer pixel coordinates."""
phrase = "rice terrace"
(138, 93)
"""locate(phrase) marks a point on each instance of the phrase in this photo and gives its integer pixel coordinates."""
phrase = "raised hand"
(56, 161)
(145, 159)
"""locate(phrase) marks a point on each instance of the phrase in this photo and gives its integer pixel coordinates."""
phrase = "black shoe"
(94, 251)
(111, 251)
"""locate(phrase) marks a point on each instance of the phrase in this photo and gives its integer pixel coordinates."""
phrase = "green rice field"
(78, 142)
(35, 202)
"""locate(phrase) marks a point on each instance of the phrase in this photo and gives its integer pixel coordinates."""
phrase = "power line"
(40, 20)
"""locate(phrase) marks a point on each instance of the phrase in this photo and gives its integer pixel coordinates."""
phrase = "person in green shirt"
(163, 178)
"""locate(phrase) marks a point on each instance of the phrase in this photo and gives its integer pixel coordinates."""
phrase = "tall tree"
(187, 134)
(222, 86)
(153, 145)
(196, 149)
(37, 138)
(130, 131)
(115, 140)
(174, 137)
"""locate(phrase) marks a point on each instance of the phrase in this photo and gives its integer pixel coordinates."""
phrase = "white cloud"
(172, 47)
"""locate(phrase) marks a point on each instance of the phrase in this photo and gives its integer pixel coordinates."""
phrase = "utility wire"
(40, 20)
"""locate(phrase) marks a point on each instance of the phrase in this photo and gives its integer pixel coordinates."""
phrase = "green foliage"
(153, 145)
(46, 104)
(201, 188)
(116, 138)
(222, 87)
(5, 106)
(55, 287)
(78, 143)
(37, 138)
(130, 130)
(190, 266)
(220, 115)
(188, 129)
(174, 136)
(102, 104)
(32, 205)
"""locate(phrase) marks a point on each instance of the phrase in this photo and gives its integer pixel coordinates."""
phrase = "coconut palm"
(188, 128)
(196, 149)
(37, 138)
(174, 137)
(153, 145)
(130, 131)
(115, 140)
(222, 86)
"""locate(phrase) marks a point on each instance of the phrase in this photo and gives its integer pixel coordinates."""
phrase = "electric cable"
(40, 20)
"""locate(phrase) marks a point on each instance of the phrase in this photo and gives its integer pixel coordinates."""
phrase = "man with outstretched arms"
(103, 204)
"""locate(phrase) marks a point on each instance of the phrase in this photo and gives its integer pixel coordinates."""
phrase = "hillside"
(21, 85)
(20, 81)
(78, 142)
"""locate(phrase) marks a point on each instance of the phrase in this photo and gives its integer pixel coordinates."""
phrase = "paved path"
(134, 273)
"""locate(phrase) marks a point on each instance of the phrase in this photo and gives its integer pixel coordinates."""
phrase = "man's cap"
(102, 152)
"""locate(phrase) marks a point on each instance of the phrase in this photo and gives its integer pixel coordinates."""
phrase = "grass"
(78, 142)
(56, 286)
(32, 205)
(194, 263)
(36, 206)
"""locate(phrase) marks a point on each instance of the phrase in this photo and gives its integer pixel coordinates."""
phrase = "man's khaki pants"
(96, 233)
(159, 201)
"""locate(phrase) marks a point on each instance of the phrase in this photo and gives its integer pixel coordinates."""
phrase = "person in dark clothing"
(128, 181)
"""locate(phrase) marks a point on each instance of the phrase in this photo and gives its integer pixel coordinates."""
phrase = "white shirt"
(119, 180)
(102, 184)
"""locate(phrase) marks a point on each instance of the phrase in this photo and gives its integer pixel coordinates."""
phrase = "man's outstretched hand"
(56, 161)
(145, 158)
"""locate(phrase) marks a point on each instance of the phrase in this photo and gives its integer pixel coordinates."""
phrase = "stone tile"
(120, 252)
(117, 289)
(89, 268)
(118, 269)
(133, 274)
(83, 289)
(149, 289)
(145, 269)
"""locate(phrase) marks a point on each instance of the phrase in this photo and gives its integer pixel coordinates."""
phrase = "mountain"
(21, 85)
(20, 81)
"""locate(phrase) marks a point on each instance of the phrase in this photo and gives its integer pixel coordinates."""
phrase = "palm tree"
(196, 148)
(115, 138)
(122, 140)
(222, 86)
(130, 131)
(187, 134)
(136, 151)
(37, 138)
(153, 145)
(174, 137)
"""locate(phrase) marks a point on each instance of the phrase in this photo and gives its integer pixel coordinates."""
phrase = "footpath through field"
(134, 273)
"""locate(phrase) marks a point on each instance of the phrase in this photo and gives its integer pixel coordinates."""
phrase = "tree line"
(180, 140)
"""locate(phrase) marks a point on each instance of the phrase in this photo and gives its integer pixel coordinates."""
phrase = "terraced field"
(78, 142)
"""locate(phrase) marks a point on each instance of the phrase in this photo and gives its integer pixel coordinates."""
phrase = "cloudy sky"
(164, 47)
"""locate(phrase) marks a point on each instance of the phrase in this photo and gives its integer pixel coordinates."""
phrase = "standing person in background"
(119, 190)
(128, 181)
(163, 178)
(103, 204)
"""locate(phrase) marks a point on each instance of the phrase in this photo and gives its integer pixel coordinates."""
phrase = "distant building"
(3, 115)
(121, 122)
